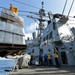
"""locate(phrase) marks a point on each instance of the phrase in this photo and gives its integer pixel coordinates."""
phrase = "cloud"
(72, 14)
(32, 27)
(28, 35)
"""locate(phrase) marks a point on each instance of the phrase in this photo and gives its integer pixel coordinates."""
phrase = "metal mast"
(41, 20)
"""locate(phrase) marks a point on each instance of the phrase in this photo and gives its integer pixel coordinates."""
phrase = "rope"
(64, 7)
(70, 8)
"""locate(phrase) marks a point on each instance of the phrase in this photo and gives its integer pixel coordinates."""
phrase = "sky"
(55, 6)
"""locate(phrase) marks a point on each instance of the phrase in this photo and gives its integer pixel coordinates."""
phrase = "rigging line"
(30, 12)
(20, 10)
(2, 7)
(26, 15)
(35, 13)
(29, 17)
(23, 15)
(70, 7)
(25, 11)
(64, 7)
(25, 4)
(46, 16)
(35, 21)
(28, 4)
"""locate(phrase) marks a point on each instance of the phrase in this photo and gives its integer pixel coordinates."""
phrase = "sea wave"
(6, 64)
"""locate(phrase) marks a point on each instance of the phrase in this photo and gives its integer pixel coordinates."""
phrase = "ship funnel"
(34, 35)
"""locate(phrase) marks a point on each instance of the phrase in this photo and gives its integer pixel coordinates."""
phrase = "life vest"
(49, 57)
(55, 55)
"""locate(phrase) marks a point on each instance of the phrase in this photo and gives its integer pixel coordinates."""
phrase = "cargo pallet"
(11, 49)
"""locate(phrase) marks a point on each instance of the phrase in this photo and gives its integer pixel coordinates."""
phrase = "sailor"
(50, 59)
(41, 59)
(45, 59)
(56, 57)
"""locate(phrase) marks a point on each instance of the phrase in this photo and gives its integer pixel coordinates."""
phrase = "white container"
(21, 40)
(1, 36)
(15, 29)
(8, 11)
(9, 27)
(2, 25)
(16, 39)
(21, 30)
(8, 37)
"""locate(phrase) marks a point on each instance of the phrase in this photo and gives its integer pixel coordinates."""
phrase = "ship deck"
(11, 49)
(46, 70)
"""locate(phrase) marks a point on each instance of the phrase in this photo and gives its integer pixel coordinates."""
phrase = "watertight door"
(64, 58)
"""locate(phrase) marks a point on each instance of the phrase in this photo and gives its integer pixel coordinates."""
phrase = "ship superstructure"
(59, 34)
(11, 32)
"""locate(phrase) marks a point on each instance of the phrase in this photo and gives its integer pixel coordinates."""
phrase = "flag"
(13, 9)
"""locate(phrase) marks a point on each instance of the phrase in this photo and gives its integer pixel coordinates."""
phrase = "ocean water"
(6, 64)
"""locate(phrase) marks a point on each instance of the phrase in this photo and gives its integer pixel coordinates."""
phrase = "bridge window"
(50, 35)
(54, 25)
(47, 37)
(44, 39)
